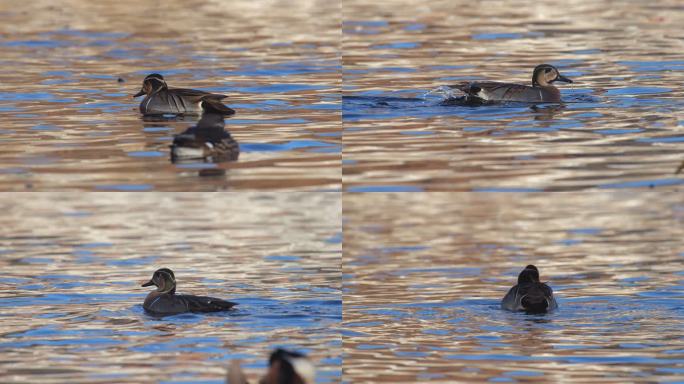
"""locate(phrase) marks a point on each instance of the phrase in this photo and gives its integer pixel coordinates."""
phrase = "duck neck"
(168, 287)
(540, 81)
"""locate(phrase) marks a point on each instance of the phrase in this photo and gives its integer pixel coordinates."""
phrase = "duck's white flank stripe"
(155, 300)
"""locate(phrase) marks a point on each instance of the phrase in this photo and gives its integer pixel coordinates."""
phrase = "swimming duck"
(165, 301)
(207, 140)
(541, 91)
(530, 294)
(160, 99)
(284, 367)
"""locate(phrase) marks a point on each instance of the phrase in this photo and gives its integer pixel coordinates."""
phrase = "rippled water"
(424, 274)
(620, 126)
(69, 69)
(73, 264)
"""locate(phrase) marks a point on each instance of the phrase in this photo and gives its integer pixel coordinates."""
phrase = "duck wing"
(164, 304)
(196, 94)
(491, 90)
(212, 103)
(205, 303)
(510, 301)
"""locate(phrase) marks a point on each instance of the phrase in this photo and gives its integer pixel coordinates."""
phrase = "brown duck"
(541, 91)
(160, 99)
(165, 301)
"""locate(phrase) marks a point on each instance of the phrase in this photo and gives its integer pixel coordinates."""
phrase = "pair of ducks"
(529, 295)
(208, 139)
(160, 99)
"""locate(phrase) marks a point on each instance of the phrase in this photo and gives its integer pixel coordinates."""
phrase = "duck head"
(534, 295)
(151, 84)
(529, 275)
(164, 280)
(285, 367)
(545, 74)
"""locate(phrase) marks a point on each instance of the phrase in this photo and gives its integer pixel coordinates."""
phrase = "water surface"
(73, 264)
(620, 126)
(424, 274)
(70, 69)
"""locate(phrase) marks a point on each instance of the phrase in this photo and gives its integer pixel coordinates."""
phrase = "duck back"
(205, 303)
(208, 139)
(171, 304)
(531, 297)
(170, 102)
(495, 91)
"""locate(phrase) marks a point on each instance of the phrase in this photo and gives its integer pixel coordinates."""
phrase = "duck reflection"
(547, 112)
(207, 141)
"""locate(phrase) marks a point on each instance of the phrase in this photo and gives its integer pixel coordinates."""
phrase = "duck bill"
(148, 284)
(142, 92)
(563, 79)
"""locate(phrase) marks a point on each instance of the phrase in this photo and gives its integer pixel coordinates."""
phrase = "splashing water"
(445, 91)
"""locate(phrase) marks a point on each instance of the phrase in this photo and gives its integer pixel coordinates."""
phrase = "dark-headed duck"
(208, 141)
(541, 91)
(530, 294)
(165, 301)
(284, 367)
(160, 99)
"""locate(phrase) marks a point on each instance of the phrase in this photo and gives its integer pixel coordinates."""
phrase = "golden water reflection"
(621, 126)
(71, 67)
(424, 275)
(73, 265)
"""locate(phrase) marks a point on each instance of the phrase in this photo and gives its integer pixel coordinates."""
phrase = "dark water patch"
(289, 146)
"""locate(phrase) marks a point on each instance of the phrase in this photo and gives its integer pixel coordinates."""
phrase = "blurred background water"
(621, 125)
(424, 274)
(69, 69)
(72, 266)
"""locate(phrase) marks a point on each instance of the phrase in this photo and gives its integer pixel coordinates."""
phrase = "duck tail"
(213, 105)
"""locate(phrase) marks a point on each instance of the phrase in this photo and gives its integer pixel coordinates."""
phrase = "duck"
(165, 301)
(284, 367)
(541, 91)
(529, 295)
(160, 99)
(208, 140)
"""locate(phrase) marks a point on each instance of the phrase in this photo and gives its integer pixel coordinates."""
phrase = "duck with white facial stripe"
(165, 301)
